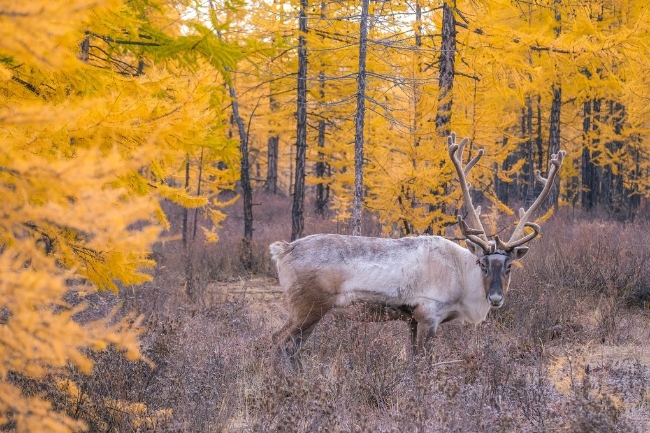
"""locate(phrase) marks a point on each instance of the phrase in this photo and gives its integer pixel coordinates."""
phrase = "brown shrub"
(214, 371)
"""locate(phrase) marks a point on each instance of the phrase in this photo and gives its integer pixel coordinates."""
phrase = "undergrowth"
(568, 351)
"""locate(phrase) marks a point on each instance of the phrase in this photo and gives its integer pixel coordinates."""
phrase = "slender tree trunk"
(272, 165)
(502, 188)
(554, 137)
(198, 193)
(529, 141)
(527, 135)
(140, 69)
(272, 149)
(357, 204)
(539, 139)
(446, 73)
(273, 142)
(556, 111)
(634, 195)
(189, 271)
(588, 172)
(410, 199)
(600, 195)
(322, 189)
(292, 173)
(247, 190)
(447, 70)
(619, 191)
(558, 19)
(84, 49)
(297, 211)
(322, 167)
(184, 236)
(417, 91)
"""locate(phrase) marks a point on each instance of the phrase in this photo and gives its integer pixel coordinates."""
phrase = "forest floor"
(569, 351)
(579, 364)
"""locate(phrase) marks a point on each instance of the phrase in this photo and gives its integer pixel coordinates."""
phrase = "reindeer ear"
(474, 248)
(519, 252)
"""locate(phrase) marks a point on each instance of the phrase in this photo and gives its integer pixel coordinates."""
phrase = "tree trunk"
(189, 272)
(619, 190)
(297, 211)
(502, 188)
(539, 139)
(634, 194)
(595, 143)
(357, 204)
(322, 168)
(84, 49)
(554, 138)
(247, 190)
(272, 165)
(198, 193)
(322, 190)
(527, 134)
(185, 210)
(447, 70)
(588, 169)
(417, 91)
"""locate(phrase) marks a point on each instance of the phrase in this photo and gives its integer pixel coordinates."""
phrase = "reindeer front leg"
(426, 332)
(413, 328)
(426, 326)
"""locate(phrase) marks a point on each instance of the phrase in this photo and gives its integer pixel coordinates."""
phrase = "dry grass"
(568, 352)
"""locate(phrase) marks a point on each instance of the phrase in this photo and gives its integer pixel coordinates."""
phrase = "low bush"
(568, 352)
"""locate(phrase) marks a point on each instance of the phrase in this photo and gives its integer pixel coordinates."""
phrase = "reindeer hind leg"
(289, 338)
(309, 302)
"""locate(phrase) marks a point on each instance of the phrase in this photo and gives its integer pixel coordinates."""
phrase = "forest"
(153, 149)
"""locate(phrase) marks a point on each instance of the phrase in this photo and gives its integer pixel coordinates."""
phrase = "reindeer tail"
(280, 249)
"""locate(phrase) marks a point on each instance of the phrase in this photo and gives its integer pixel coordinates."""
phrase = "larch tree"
(66, 204)
(268, 87)
(297, 209)
(359, 121)
(96, 117)
(322, 168)
(446, 68)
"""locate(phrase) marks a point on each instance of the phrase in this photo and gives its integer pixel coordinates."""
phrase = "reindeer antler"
(475, 233)
(518, 237)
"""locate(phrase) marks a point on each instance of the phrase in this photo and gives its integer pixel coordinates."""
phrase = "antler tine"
(510, 245)
(456, 153)
(517, 237)
(473, 162)
(473, 235)
(466, 229)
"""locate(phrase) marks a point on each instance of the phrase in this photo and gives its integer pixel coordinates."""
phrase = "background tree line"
(522, 79)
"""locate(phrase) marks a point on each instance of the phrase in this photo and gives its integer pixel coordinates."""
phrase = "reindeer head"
(495, 257)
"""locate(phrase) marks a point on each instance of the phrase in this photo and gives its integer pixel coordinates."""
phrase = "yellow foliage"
(136, 415)
(89, 147)
(54, 44)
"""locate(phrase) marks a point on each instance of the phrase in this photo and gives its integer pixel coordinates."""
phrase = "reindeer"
(425, 280)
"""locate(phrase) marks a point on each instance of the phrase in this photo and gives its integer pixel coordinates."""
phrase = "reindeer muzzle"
(495, 300)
